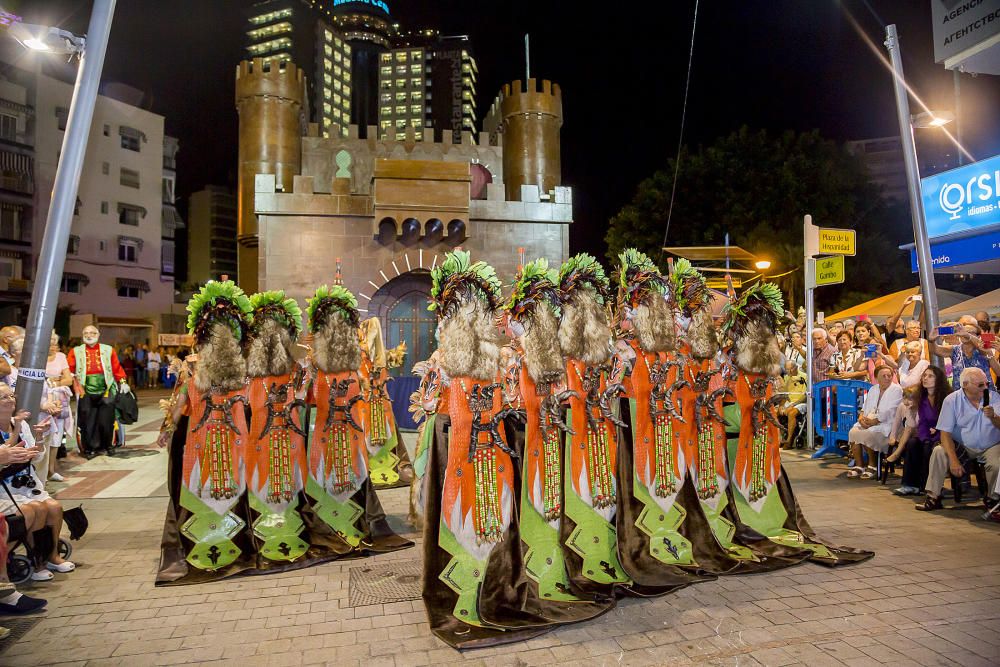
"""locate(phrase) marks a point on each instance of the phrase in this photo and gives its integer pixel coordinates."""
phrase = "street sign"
(830, 270)
(837, 241)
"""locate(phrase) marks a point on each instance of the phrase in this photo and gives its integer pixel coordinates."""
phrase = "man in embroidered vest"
(98, 376)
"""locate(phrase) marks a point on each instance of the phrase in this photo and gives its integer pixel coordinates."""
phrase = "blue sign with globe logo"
(962, 199)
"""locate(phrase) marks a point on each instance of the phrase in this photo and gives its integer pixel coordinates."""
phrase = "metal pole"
(527, 60)
(922, 245)
(958, 115)
(810, 280)
(52, 258)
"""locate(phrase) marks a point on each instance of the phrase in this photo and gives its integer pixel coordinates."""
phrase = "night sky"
(775, 64)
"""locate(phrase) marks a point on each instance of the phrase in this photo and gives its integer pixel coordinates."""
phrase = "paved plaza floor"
(931, 596)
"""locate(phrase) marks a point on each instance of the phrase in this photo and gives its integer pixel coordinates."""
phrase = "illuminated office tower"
(301, 31)
(368, 28)
(428, 81)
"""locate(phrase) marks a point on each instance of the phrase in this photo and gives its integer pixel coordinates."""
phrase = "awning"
(134, 240)
(18, 164)
(171, 218)
(84, 280)
(989, 302)
(11, 206)
(885, 306)
(131, 207)
(131, 132)
(132, 282)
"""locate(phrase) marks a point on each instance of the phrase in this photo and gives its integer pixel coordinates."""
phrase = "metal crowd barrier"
(836, 406)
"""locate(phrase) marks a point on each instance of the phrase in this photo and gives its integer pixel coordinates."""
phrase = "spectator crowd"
(937, 420)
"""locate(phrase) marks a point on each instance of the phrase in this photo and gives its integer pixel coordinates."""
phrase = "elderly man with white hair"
(822, 353)
(969, 424)
(99, 377)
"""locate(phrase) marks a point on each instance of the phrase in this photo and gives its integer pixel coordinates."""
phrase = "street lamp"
(762, 264)
(931, 119)
(925, 270)
(52, 257)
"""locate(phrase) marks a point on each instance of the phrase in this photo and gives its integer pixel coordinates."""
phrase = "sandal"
(930, 504)
(855, 472)
(869, 473)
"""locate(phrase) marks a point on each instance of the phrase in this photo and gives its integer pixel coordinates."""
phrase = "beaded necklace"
(602, 483)
(486, 517)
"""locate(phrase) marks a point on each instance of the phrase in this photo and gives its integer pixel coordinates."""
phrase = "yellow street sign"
(837, 242)
(830, 270)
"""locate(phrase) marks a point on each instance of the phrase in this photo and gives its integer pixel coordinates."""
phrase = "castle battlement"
(517, 98)
(267, 77)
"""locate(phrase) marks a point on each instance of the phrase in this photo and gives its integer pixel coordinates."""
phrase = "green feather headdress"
(534, 285)
(329, 300)
(457, 279)
(690, 290)
(583, 271)
(275, 306)
(762, 303)
(638, 277)
(219, 301)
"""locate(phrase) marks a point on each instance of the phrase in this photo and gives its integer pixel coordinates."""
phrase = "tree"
(757, 187)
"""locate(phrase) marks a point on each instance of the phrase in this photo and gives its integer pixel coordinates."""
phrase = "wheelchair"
(20, 559)
(20, 566)
(798, 438)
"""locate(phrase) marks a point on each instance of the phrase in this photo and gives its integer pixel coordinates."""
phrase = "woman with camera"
(23, 492)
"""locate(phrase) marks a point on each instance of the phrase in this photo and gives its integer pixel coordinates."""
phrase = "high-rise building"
(301, 31)
(428, 81)
(211, 234)
(369, 29)
(883, 157)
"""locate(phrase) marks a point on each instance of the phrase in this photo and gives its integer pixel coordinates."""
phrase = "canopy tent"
(886, 306)
(989, 302)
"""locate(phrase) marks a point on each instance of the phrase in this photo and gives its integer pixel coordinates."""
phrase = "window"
(328, 50)
(386, 58)
(128, 215)
(8, 127)
(416, 108)
(400, 110)
(129, 177)
(385, 71)
(104, 207)
(105, 168)
(128, 292)
(71, 285)
(10, 223)
(107, 130)
(401, 56)
(6, 269)
(168, 190)
(128, 251)
(130, 143)
(73, 246)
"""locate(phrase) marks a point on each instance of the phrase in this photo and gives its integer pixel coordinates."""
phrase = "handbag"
(126, 407)
(76, 520)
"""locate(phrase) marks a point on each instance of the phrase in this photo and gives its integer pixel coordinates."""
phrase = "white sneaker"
(63, 567)
(56, 477)
(42, 575)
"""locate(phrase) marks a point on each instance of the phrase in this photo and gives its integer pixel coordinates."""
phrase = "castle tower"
(269, 98)
(529, 120)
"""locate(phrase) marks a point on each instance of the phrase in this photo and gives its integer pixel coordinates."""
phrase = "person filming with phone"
(962, 344)
(969, 425)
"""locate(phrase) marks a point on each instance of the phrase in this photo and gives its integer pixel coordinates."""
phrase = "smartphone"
(946, 331)
(988, 338)
(870, 351)
(820, 317)
(918, 297)
(862, 318)
(986, 397)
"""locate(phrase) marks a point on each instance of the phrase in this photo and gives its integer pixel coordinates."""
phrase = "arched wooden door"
(401, 306)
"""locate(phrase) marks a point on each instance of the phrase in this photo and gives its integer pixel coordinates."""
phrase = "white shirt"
(12, 378)
(910, 377)
(882, 407)
(966, 422)
(153, 360)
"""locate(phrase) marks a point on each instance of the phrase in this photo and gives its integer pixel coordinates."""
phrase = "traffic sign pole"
(810, 243)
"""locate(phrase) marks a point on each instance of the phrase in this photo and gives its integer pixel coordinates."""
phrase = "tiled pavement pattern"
(930, 597)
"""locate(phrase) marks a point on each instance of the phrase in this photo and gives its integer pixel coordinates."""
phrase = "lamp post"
(925, 270)
(52, 257)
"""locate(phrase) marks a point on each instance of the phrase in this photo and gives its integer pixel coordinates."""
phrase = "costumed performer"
(652, 461)
(276, 445)
(475, 588)
(338, 483)
(389, 462)
(204, 537)
(424, 402)
(763, 496)
(590, 487)
(531, 320)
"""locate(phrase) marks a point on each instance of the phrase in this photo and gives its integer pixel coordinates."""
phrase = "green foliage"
(219, 300)
(757, 186)
(535, 284)
(274, 305)
(583, 271)
(329, 299)
(457, 277)
(762, 302)
(689, 288)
